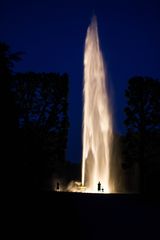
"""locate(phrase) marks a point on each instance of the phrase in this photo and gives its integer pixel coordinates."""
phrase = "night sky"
(52, 35)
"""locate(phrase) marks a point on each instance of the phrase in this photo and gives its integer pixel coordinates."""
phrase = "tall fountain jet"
(97, 120)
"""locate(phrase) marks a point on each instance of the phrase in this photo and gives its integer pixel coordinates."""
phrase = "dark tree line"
(34, 124)
(41, 99)
(142, 139)
(9, 115)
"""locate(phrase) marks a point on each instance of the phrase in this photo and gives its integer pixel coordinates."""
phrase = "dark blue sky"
(52, 34)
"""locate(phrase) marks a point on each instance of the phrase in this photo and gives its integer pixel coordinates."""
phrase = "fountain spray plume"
(97, 120)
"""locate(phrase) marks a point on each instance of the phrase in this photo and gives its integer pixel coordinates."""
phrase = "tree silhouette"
(143, 124)
(7, 60)
(8, 118)
(33, 124)
(43, 121)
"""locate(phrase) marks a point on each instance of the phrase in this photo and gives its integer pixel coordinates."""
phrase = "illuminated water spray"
(97, 122)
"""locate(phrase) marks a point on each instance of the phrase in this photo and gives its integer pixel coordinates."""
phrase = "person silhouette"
(99, 186)
(57, 188)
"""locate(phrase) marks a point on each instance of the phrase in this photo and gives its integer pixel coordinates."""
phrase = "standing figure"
(99, 186)
(57, 186)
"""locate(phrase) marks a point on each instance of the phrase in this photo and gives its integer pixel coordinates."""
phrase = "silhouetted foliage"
(7, 60)
(9, 113)
(33, 124)
(143, 127)
(43, 125)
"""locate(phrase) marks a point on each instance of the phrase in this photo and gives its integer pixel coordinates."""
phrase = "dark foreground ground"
(83, 216)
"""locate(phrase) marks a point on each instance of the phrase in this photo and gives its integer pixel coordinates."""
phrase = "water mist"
(97, 120)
